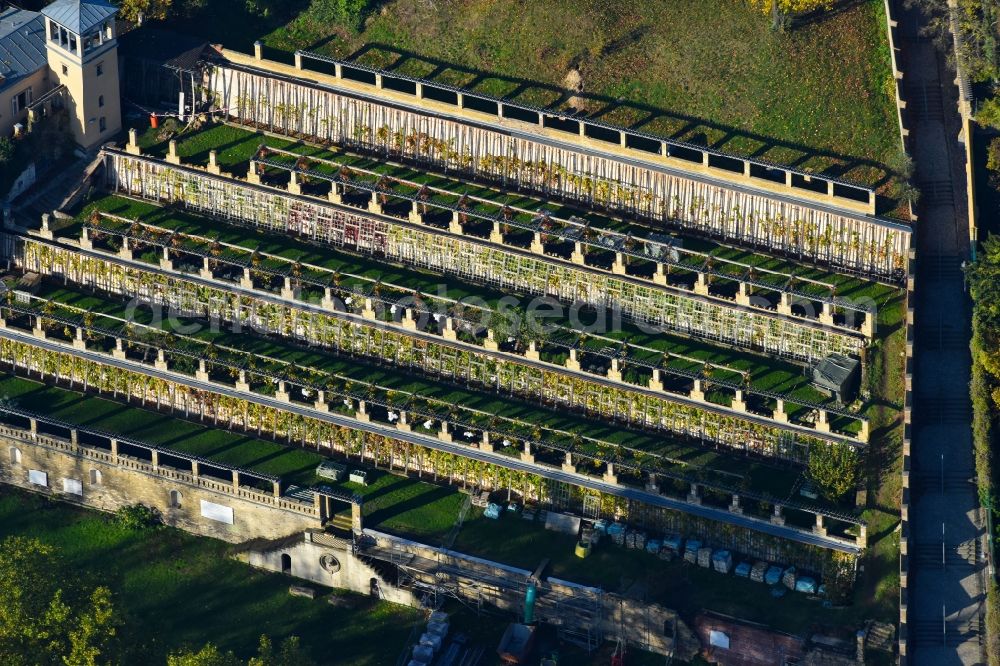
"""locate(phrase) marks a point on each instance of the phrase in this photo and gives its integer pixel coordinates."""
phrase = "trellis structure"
(712, 424)
(309, 431)
(381, 236)
(754, 218)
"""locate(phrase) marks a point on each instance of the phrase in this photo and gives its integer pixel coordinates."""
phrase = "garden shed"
(837, 375)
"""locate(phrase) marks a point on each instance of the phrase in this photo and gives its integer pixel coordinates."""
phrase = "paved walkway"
(947, 563)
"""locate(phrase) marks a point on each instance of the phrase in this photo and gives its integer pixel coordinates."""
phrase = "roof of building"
(80, 16)
(835, 371)
(22, 45)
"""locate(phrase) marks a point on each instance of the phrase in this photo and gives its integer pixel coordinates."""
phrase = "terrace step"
(950, 633)
(929, 555)
(943, 410)
(940, 336)
(936, 192)
(924, 101)
(932, 481)
(931, 266)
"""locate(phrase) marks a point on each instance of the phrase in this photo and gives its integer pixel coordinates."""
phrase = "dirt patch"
(573, 81)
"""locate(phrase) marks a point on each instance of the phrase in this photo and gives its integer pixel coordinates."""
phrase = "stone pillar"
(490, 342)
(449, 332)
(694, 495)
(444, 433)
(455, 225)
(532, 351)
(320, 403)
(373, 204)
(609, 474)
(114, 449)
(823, 421)
(739, 402)
(651, 484)
(161, 360)
(242, 384)
(743, 294)
(357, 521)
(536, 243)
(327, 301)
(298, 60)
(165, 261)
(826, 316)
(862, 536)
(819, 528)
(526, 454)
(246, 281)
(615, 371)
(172, 156)
(276, 487)
(39, 330)
(119, 350)
(282, 392)
(404, 422)
(85, 241)
(785, 304)
(698, 391)
(132, 147)
(195, 470)
(294, 186)
(155, 457)
(286, 289)
(868, 325)
(362, 412)
(656, 381)
(253, 175)
(660, 276)
(33, 425)
(258, 50)
(578, 257)
(46, 230)
(206, 269)
(236, 480)
(334, 194)
(865, 433)
(701, 284)
(415, 215)
(779, 414)
(573, 362)
(620, 264)
(496, 235)
(126, 251)
(213, 162)
(735, 506)
(74, 436)
(409, 321)
(568, 465)
(368, 311)
(778, 517)
(485, 444)
(79, 342)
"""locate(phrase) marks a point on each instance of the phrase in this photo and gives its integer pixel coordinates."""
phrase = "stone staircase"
(53, 191)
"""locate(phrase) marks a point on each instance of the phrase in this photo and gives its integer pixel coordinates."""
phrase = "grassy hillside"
(710, 71)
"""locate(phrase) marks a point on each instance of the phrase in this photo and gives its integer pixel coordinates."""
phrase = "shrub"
(834, 470)
(138, 517)
(989, 113)
(6, 149)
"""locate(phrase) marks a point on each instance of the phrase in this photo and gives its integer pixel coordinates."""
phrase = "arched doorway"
(286, 563)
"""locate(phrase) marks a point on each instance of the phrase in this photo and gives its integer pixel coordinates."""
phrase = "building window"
(20, 101)
(65, 70)
(100, 68)
(15, 455)
(175, 499)
(100, 100)
(96, 477)
(103, 123)
(53, 32)
(72, 42)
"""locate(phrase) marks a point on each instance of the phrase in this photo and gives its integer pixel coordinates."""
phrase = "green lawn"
(711, 72)
(174, 589)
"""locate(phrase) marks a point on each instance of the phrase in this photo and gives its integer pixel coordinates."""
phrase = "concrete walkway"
(946, 582)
